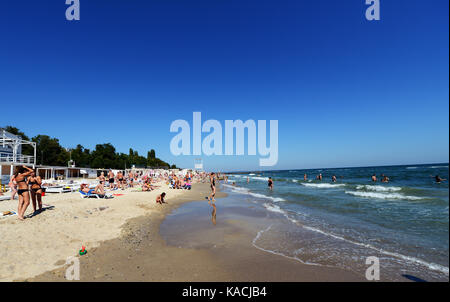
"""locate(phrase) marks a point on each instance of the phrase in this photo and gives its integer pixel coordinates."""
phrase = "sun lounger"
(87, 195)
(58, 189)
(4, 197)
(94, 195)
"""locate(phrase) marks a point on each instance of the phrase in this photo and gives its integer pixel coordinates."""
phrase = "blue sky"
(346, 91)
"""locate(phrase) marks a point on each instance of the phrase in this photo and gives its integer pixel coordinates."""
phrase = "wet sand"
(224, 254)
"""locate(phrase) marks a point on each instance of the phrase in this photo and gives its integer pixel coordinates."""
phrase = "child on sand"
(160, 198)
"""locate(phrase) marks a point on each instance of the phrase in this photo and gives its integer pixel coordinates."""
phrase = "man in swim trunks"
(111, 179)
(270, 183)
(374, 178)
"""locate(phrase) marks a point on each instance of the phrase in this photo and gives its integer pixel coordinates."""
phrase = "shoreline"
(141, 253)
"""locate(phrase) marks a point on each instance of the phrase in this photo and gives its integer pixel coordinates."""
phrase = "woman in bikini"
(24, 197)
(212, 180)
(36, 190)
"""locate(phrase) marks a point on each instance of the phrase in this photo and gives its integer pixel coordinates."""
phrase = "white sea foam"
(274, 208)
(432, 266)
(323, 186)
(295, 180)
(236, 189)
(258, 235)
(260, 178)
(380, 195)
(257, 195)
(378, 188)
(411, 167)
(436, 167)
(243, 190)
(251, 174)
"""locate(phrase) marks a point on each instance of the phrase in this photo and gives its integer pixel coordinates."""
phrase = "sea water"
(405, 222)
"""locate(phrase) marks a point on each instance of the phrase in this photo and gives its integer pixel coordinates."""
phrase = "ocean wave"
(411, 167)
(383, 195)
(432, 266)
(243, 190)
(437, 167)
(326, 186)
(236, 189)
(258, 235)
(251, 174)
(274, 208)
(378, 188)
(260, 178)
(257, 195)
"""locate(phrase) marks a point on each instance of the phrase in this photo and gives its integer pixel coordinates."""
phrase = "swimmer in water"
(438, 179)
(270, 183)
(385, 179)
(333, 178)
(305, 177)
(374, 178)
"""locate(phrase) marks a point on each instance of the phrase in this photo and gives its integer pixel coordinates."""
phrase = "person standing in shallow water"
(333, 178)
(212, 180)
(374, 178)
(270, 183)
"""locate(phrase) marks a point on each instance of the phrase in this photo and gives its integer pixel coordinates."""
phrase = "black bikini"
(21, 191)
(35, 189)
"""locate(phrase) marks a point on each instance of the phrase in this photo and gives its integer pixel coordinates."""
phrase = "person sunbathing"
(147, 186)
(99, 191)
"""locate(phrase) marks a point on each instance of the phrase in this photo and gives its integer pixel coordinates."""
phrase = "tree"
(81, 156)
(152, 153)
(49, 151)
(104, 156)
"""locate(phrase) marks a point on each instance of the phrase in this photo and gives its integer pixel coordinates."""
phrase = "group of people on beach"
(27, 185)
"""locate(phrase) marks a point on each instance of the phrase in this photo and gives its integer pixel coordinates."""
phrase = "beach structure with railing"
(11, 154)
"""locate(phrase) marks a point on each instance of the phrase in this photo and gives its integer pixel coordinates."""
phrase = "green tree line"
(104, 156)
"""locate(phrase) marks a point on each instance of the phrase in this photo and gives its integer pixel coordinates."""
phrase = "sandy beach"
(43, 242)
(124, 244)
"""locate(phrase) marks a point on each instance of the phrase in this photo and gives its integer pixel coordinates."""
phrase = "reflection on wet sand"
(213, 214)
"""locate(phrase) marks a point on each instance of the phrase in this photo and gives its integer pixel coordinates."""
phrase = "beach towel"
(6, 214)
